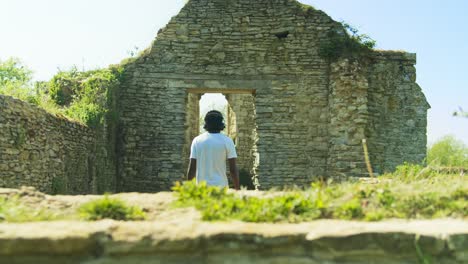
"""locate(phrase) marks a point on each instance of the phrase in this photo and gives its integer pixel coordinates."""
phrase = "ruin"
(294, 114)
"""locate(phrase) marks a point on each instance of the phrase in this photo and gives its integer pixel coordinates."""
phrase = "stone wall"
(179, 241)
(376, 98)
(310, 114)
(348, 118)
(244, 132)
(298, 115)
(231, 45)
(397, 111)
(50, 153)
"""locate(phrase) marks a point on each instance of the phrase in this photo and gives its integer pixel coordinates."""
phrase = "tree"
(15, 80)
(448, 152)
(12, 71)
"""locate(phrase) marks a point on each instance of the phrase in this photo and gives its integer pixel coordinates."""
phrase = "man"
(209, 153)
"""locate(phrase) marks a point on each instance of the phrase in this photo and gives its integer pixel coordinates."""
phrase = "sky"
(48, 35)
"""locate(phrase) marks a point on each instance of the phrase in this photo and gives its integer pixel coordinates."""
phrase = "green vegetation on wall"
(84, 96)
(81, 96)
(346, 41)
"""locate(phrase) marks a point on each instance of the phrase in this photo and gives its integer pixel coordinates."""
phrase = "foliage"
(407, 193)
(448, 152)
(110, 208)
(13, 71)
(12, 210)
(84, 96)
(81, 96)
(15, 80)
(346, 41)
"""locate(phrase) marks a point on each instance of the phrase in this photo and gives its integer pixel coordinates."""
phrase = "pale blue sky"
(52, 34)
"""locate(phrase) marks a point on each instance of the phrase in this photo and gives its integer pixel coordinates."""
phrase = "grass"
(12, 210)
(110, 208)
(412, 192)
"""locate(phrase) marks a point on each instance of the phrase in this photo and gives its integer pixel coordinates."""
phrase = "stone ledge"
(395, 55)
(176, 241)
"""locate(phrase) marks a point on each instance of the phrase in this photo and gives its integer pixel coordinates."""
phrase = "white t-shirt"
(211, 150)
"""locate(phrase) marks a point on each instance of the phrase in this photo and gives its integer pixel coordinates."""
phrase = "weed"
(110, 208)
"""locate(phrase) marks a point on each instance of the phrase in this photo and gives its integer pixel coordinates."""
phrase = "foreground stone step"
(191, 241)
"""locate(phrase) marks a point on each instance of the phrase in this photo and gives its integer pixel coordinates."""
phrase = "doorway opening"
(238, 108)
(213, 101)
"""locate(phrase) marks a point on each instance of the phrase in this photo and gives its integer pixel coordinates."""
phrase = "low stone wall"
(184, 241)
(49, 153)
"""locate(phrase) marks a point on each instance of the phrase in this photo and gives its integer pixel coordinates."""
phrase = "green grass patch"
(110, 208)
(413, 192)
(13, 211)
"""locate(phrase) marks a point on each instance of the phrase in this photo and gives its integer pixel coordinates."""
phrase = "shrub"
(110, 208)
(410, 172)
(85, 96)
(448, 152)
(15, 80)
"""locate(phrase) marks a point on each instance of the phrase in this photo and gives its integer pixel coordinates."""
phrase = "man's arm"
(234, 172)
(192, 169)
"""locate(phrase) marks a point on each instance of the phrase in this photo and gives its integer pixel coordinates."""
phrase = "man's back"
(211, 150)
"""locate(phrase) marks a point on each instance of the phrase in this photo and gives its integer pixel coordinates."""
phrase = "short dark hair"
(214, 121)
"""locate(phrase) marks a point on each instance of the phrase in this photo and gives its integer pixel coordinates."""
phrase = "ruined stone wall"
(152, 134)
(397, 112)
(243, 131)
(52, 154)
(375, 98)
(310, 113)
(348, 118)
(192, 126)
(270, 47)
